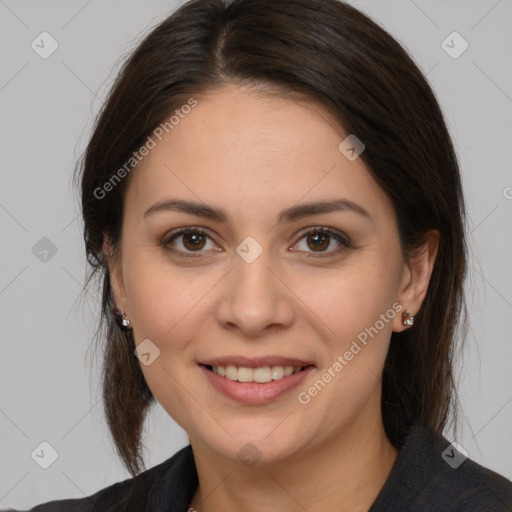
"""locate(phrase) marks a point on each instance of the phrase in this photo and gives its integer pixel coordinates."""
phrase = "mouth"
(255, 381)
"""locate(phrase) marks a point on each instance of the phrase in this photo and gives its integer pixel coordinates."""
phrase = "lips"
(255, 380)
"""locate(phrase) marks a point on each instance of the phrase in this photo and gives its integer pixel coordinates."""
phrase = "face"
(260, 282)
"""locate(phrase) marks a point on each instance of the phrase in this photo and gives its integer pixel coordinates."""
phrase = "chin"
(255, 442)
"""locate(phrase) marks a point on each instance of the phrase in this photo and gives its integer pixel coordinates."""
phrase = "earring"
(122, 322)
(407, 318)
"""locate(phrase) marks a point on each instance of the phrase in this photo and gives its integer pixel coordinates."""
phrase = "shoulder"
(478, 489)
(127, 495)
(433, 474)
(463, 483)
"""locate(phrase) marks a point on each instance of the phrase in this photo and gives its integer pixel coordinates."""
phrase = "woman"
(273, 202)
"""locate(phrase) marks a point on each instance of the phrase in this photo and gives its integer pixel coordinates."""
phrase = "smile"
(258, 384)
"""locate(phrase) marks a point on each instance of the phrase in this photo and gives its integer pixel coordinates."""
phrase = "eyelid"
(322, 229)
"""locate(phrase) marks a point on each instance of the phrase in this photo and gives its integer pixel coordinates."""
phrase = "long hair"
(331, 54)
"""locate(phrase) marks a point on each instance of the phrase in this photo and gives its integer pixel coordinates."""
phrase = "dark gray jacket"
(428, 476)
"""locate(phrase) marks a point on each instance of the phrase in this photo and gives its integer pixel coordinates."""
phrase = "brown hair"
(334, 55)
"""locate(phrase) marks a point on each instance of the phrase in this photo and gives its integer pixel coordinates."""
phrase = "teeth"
(277, 372)
(261, 375)
(231, 372)
(245, 374)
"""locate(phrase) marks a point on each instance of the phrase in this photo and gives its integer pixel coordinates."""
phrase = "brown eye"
(320, 239)
(187, 241)
(193, 240)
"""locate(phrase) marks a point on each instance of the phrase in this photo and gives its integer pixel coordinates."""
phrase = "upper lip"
(256, 362)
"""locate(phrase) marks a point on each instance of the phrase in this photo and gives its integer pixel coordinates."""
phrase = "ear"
(113, 259)
(416, 278)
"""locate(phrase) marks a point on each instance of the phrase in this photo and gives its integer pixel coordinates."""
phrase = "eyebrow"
(289, 214)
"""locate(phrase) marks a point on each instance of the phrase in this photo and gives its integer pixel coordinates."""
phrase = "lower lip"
(255, 393)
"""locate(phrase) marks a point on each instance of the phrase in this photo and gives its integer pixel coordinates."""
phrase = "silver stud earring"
(121, 320)
(407, 318)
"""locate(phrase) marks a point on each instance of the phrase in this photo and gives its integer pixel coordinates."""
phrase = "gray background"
(48, 378)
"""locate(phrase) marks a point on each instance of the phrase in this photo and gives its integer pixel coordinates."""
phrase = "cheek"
(356, 304)
(168, 307)
(351, 301)
(163, 300)
(358, 307)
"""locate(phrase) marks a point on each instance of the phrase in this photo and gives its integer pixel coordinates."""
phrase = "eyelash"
(343, 240)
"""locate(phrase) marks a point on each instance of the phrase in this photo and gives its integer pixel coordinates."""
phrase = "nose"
(255, 299)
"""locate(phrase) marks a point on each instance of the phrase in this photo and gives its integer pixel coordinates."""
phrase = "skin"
(253, 156)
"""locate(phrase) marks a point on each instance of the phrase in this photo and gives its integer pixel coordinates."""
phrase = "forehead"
(249, 151)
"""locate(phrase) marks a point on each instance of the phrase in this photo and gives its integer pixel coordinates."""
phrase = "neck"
(344, 472)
